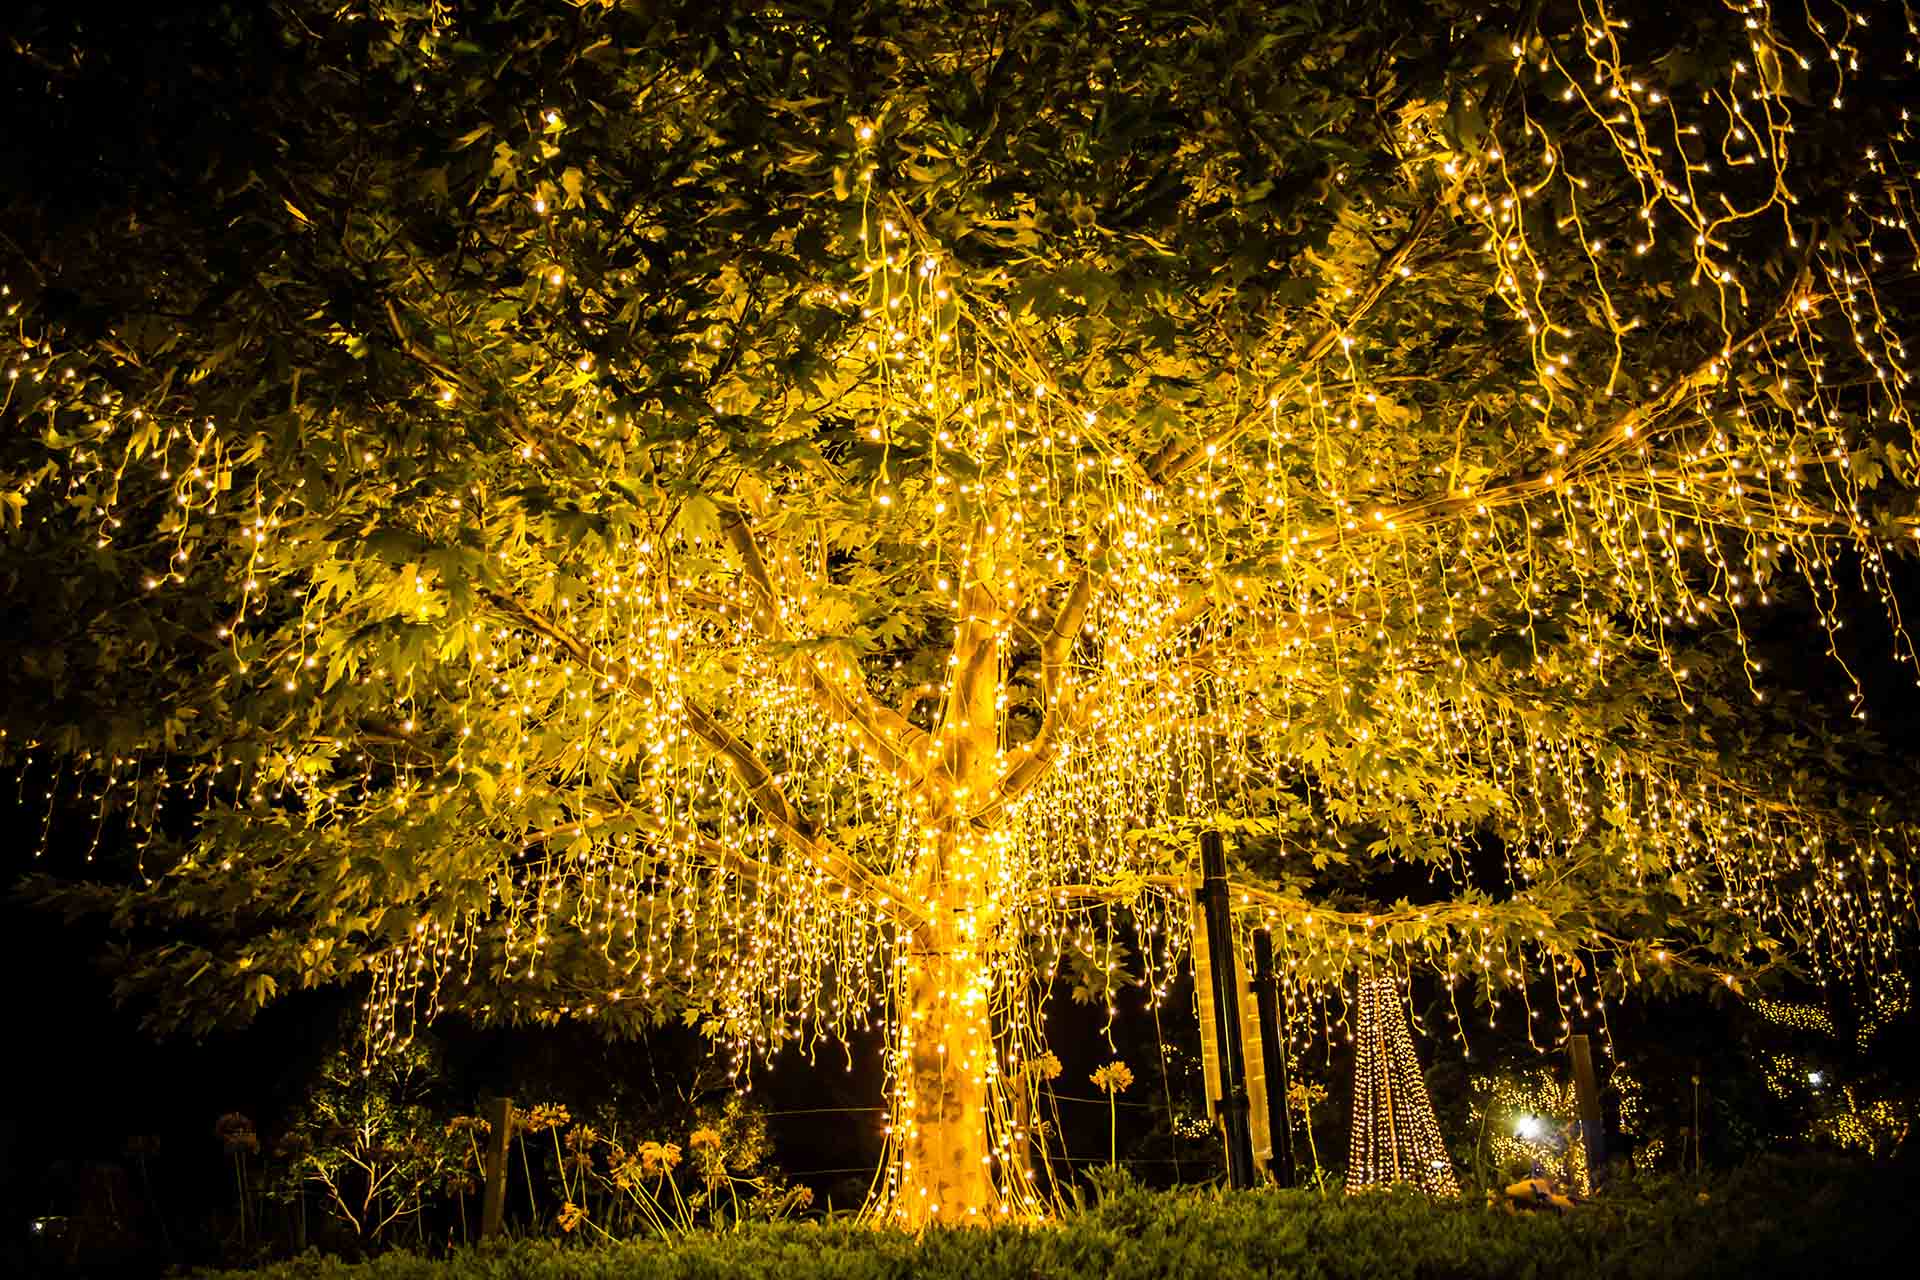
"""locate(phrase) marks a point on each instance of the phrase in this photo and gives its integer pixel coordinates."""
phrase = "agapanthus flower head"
(1115, 1077)
(235, 1132)
(658, 1157)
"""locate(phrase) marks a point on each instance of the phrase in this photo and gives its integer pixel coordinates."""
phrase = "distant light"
(1815, 1077)
(1528, 1127)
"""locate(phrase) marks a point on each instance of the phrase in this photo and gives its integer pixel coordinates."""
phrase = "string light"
(1395, 1137)
(1532, 1120)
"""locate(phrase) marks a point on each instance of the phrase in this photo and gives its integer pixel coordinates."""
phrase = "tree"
(371, 1142)
(783, 516)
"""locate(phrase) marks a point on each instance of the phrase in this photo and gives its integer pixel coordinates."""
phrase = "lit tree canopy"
(795, 515)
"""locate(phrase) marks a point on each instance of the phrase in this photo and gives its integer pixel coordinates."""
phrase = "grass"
(1778, 1218)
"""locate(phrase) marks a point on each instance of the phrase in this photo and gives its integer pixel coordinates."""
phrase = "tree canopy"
(635, 510)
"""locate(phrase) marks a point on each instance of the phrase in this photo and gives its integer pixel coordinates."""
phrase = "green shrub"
(1778, 1218)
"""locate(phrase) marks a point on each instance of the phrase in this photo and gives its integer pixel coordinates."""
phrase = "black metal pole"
(1593, 1128)
(1233, 1106)
(1273, 1056)
(493, 1204)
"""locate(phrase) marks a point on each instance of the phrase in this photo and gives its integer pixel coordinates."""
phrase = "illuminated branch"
(1291, 905)
(1175, 458)
(391, 735)
(741, 539)
(885, 733)
(1628, 431)
(1283, 632)
(1058, 643)
(682, 833)
(1035, 756)
(973, 682)
(1781, 514)
(1065, 714)
(1298, 916)
(517, 426)
(741, 760)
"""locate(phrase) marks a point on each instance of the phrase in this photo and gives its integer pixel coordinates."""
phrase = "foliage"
(374, 1139)
(381, 1148)
(631, 511)
(1781, 1219)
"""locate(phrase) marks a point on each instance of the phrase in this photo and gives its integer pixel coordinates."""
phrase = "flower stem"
(1113, 1131)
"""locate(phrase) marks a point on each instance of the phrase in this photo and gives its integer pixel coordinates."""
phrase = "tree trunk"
(951, 1146)
(945, 1078)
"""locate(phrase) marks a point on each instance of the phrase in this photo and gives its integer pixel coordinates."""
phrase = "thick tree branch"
(896, 744)
(1303, 915)
(1032, 760)
(740, 759)
(1057, 645)
(1629, 432)
(1064, 715)
(973, 683)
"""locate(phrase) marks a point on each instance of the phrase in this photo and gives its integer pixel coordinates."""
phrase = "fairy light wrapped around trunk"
(1396, 1138)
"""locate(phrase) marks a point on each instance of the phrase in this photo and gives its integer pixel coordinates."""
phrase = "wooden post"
(1586, 1093)
(1233, 1104)
(493, 1207)
(1273, 1053)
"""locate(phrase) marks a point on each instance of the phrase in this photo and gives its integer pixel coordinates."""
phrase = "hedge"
(1800, 1219)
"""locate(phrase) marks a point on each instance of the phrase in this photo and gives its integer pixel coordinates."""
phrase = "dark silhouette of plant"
(235, 1132)
(140, 1148)
(370, 1137)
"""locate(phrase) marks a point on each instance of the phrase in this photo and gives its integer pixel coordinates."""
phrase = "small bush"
(1777, 1218)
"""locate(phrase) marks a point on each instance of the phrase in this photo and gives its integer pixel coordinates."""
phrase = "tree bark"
(944, 1170)
(946, 1085)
